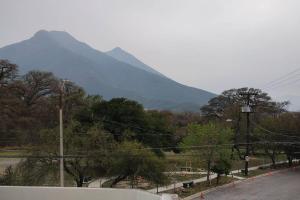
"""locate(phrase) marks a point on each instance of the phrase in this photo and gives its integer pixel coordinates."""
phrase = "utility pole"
(247, 109)
(61, 133)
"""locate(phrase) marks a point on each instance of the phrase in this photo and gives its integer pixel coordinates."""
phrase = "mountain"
(126, 57)
(100, 73)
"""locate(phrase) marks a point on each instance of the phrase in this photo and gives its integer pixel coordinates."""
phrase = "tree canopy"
(207, 140)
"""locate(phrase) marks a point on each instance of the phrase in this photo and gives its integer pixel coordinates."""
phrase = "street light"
(61, 136)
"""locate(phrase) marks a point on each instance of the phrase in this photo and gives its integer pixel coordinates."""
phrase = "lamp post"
(61, 136)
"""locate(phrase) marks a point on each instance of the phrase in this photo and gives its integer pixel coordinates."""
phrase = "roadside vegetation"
(267, 169)
(199, 187)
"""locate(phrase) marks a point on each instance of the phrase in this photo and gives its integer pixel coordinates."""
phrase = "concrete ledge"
(72, 193)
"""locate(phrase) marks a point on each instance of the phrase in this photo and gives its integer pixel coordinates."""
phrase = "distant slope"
(101, 74)
(126, 57)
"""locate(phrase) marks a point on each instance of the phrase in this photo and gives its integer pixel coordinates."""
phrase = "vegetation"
(133, 160)
(119, 139)
(222, 165)
(182, 193)
(208, 140)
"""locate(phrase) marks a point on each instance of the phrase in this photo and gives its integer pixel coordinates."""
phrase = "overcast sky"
(209, 44)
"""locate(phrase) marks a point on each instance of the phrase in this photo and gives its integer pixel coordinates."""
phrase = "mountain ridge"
(99, 73)
(123, 56)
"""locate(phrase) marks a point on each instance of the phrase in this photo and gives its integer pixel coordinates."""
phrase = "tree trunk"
(290, 159)
(218, 178)
(132, 181)
(272, 157)
(273, 161)
(79, 182)
(208, 172)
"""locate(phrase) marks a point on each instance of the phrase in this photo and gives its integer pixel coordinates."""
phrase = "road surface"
(283, 185)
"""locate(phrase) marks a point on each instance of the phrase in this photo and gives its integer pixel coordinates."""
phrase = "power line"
(117, 155)
(152, 132)
(279, 79)
(282, 81)
(286, 84)
(264, 129)
(137, 127)
(193, 147)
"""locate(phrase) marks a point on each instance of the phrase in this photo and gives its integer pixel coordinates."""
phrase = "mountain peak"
(53, 34)
(123, 56)
(60, 33)
(119, 50)
(41, 34)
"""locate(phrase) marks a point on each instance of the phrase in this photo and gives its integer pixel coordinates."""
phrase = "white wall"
(72, 193)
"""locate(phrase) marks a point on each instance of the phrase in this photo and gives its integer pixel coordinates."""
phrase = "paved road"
(284, 185)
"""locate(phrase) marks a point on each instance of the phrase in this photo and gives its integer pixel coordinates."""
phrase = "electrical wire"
(150, 148)
(286, 84)
(264, 129)
(281, 78)
(137, 127)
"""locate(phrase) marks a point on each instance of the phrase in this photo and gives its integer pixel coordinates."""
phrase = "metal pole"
(247, 147)
(61, 137)
(247, 110)
(247, 137)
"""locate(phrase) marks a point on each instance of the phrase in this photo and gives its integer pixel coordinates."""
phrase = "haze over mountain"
(112, 74)
(126, 57)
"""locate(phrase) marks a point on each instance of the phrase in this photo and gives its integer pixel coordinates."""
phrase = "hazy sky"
(209, 44)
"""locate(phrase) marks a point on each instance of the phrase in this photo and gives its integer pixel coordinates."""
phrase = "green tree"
(94, 149)
(86, 154)
(207, 140)
(121, 116)
(228, 106)
(32, 171)
(222, 165)
(279, 134)
(132, 159)
(158, 131)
